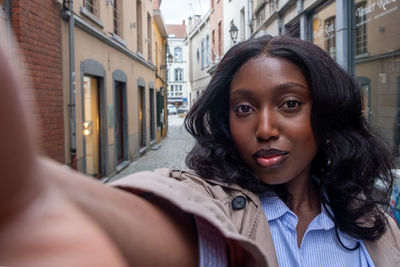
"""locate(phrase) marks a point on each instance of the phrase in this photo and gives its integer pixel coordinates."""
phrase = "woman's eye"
(291, 104)
(243, 109)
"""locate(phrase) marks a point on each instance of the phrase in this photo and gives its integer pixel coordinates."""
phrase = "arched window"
(177, 54)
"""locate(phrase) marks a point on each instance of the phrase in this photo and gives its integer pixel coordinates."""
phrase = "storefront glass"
(377, 64)
(377, 70)
(324, 28)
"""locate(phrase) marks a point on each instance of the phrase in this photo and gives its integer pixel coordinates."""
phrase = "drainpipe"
(345, 35)
(69, 14)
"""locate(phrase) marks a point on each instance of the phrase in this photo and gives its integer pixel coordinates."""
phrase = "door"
(152, 121)
(142, 118)
(120, 118)
(91, 126)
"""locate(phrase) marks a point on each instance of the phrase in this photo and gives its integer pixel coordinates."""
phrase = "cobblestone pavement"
(171, 154)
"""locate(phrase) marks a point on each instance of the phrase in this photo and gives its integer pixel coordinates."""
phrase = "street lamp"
(234, 32)
(170, 58)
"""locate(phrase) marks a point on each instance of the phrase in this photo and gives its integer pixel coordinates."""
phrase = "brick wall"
(37, 26)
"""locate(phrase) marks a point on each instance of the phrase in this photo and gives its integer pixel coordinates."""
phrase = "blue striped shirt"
(319, 246)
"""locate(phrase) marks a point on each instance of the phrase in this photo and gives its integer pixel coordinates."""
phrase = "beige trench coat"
(246, 229)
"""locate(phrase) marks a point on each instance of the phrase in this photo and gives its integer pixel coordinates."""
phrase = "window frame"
(360, 46)
(202, 54)
(178, 54)
(331, 40)
(178, 74)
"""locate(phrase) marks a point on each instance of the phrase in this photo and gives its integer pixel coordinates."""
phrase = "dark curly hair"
(350, 161)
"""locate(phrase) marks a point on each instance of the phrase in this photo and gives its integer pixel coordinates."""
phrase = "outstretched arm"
(51, 216)
(147, 231)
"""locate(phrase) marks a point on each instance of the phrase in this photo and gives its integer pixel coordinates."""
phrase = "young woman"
(284, 172)
(285, 159)
(281, 116)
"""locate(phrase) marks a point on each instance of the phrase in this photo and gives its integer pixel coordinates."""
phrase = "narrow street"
(171, 154)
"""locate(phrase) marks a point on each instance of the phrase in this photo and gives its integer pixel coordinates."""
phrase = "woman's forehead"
(268, 71)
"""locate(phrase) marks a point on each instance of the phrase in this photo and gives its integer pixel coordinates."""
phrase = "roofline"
(198, 26)
(160, 22)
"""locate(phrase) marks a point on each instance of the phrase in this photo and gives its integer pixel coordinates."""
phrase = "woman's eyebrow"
(290, 85)
(241, 92)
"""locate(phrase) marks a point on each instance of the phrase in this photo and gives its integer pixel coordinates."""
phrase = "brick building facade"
(37, 28)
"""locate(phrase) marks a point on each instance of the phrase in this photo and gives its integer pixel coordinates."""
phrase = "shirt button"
(238, 203)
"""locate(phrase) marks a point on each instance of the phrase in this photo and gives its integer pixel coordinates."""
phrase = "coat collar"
(232, 187)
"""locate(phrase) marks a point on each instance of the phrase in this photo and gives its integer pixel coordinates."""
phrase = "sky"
(174, 11)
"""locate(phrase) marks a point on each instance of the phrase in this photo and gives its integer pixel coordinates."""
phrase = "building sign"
(324, 29)
(375, 9)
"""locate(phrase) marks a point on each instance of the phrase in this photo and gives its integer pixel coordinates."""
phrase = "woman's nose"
(267, 128)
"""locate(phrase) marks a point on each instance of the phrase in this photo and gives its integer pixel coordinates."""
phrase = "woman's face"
(270, 120)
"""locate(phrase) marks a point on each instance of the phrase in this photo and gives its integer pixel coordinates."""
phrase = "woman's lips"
(270, 158)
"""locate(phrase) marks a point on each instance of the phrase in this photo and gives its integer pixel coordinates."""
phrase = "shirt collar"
(275, 208)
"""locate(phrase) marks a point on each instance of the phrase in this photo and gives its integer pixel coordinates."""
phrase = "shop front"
(374, 59)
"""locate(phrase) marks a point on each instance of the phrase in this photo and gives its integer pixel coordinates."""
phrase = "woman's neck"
(304, 202)
(304, 197)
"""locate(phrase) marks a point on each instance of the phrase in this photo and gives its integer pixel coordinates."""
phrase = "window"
(213, 46)
(178, 54)
(179, 75)
(90, 6)
(219, 39)
(117, 17)
(293, 29)
(157, 56)
(178, 91)
(139, 26)
(330, 36)
(260, 17)
(361, 29)
(242, 25)
(207, 50)
(202, 54)
(149, 39)
(198, 56)
(324, 28)
(273, 6)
